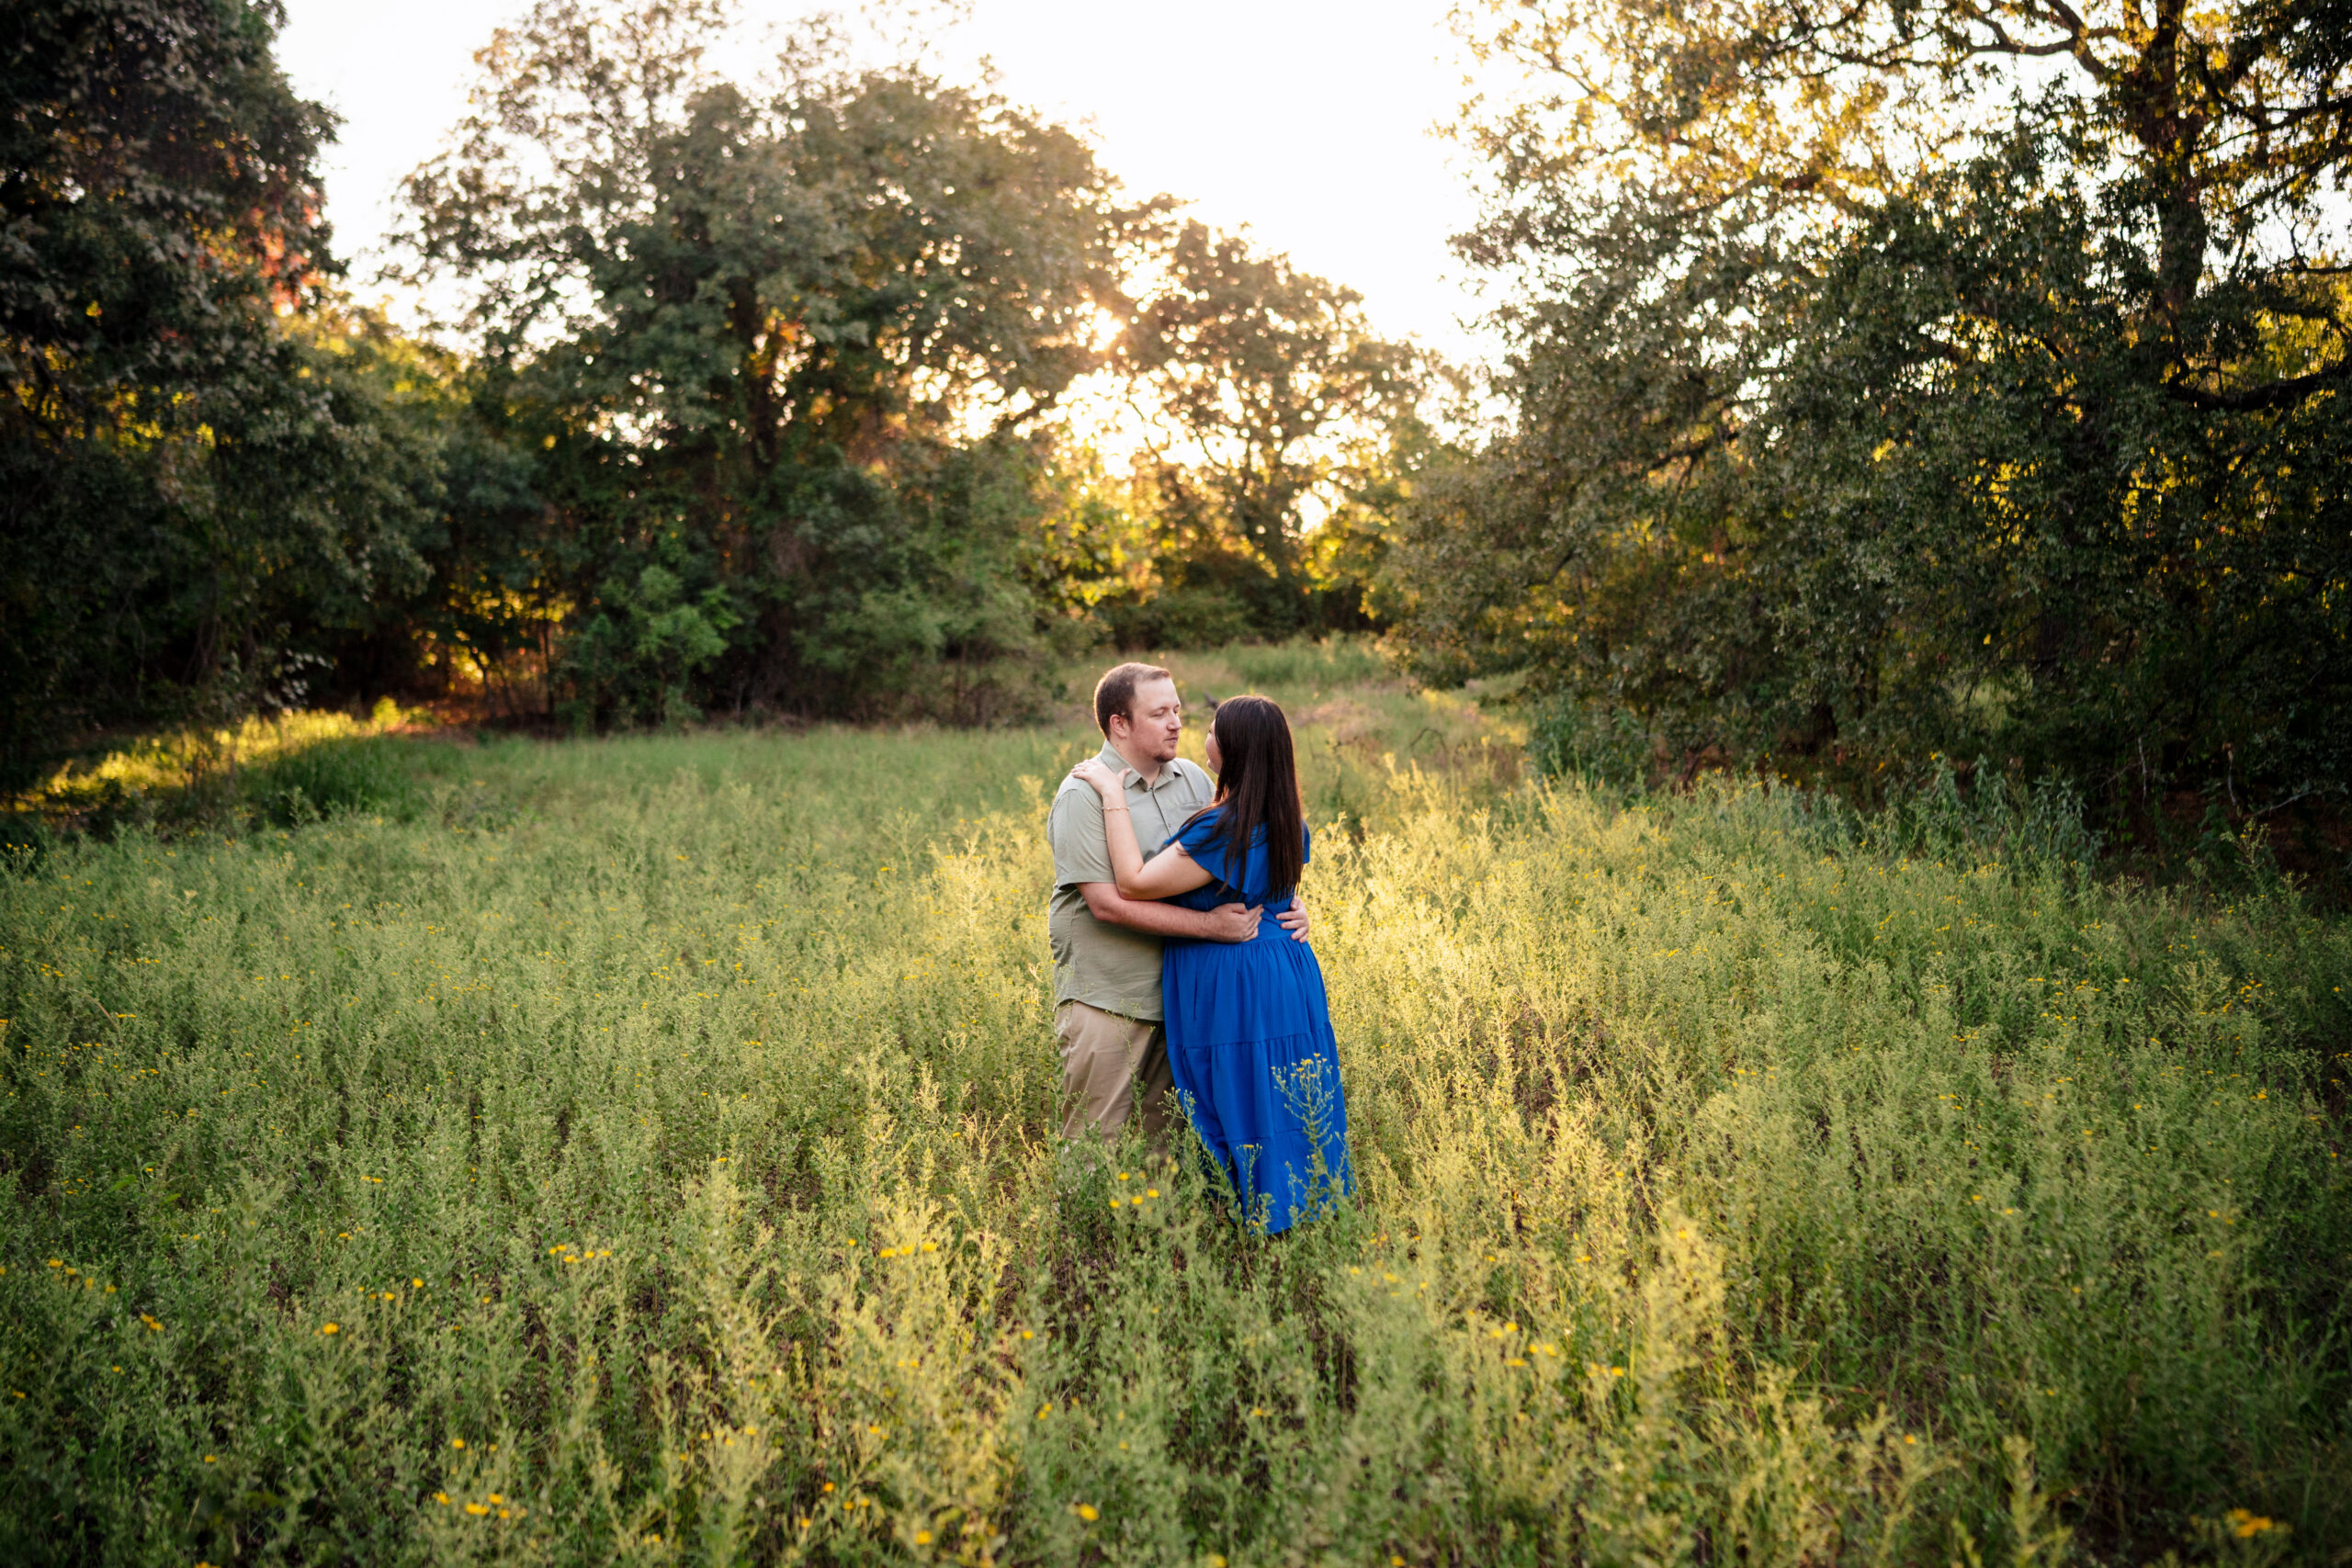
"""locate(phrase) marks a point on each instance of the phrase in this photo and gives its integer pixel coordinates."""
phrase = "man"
(1106, 947)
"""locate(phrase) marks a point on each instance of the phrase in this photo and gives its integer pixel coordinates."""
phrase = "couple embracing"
(1181, 958)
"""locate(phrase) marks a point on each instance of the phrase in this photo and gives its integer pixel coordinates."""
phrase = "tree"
(186, 486)
(786, 344)
(1875, 394)
(1277, 395)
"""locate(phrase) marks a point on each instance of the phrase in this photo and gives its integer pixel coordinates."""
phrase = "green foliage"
(305, 783)
(756, 415)
(1280, 407)
(1870, 404)
(1975, 812)
(288, 770)
(191, 489)
(1335, 663)
(681, 1144)
(782, 345)
(637, 656)
(1999, 819)
(1583, 741)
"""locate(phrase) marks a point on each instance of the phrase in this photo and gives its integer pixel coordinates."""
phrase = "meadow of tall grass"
(640, 1151)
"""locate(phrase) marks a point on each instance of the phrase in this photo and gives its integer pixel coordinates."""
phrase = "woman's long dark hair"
(1258, 787)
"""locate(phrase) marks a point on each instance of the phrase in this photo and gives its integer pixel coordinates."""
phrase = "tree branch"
(2270, 395)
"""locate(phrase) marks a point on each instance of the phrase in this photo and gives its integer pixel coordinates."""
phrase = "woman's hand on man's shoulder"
(1104, 780)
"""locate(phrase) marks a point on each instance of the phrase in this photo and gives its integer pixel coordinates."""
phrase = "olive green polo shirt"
(1103, 965)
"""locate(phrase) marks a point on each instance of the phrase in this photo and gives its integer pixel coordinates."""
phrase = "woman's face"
(1216, 757)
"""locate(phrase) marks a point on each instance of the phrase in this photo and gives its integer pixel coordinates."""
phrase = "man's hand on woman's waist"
(1293, 919)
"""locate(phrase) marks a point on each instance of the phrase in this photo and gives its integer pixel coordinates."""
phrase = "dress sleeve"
(1204, 842)
(1306, 843)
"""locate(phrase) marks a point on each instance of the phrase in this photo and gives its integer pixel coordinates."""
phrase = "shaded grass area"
(640, 1151)
(286, 770)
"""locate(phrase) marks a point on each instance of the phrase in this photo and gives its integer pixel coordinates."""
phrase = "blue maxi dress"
(1251, 1047)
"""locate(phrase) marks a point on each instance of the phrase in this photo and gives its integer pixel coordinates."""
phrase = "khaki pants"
(1109, 1063)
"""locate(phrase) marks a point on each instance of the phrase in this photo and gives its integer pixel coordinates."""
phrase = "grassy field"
(638, 1151)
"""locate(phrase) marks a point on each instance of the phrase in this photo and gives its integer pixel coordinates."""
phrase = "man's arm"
(1227, 922)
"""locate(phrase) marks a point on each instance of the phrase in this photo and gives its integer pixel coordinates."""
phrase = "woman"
(1250, 1040)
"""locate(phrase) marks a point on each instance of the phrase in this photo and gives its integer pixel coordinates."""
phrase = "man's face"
(1155, 721)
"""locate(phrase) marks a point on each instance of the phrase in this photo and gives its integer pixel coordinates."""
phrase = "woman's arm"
(1165, 875)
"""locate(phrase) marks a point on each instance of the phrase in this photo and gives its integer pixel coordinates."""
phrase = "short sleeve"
(1204, 840)
(1306, 843)
(1074, 829)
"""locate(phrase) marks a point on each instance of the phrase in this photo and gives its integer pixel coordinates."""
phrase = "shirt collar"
(1109, 757)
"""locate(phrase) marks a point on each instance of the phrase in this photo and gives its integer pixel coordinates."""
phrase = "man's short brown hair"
(1115, 695)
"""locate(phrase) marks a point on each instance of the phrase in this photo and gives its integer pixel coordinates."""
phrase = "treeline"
(758, 410)
(1959, 381)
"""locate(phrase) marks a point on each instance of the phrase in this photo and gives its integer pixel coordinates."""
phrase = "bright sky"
(1308, 120)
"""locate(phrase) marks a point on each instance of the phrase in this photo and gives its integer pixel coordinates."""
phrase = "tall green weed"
(643, 1153)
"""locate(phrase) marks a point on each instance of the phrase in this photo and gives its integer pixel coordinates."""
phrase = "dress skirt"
(1257, 1068)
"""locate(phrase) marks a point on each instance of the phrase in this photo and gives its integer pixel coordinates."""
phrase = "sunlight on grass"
(659, 1167)
(146, 777)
